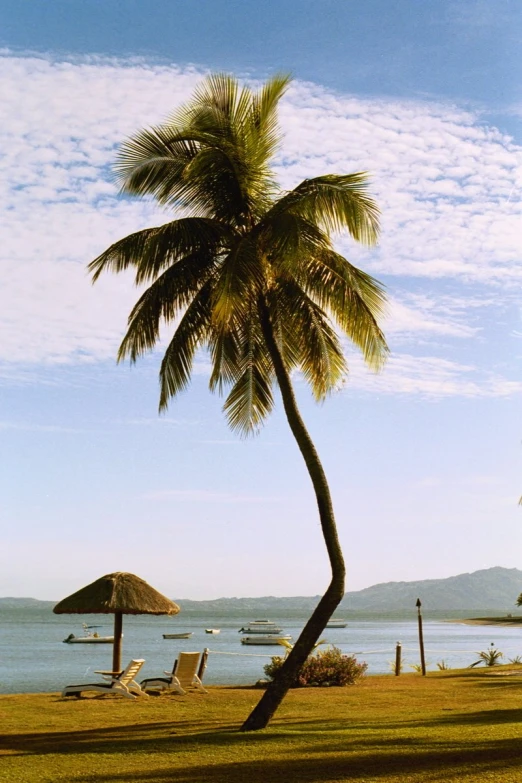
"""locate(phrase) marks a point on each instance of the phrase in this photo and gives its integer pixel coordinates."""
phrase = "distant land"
(489, 590)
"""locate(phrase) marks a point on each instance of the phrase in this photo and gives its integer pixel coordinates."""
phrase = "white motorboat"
(261, 626)
(177, 635)
(336, 624)
(212, 630)
(266, 639)
(89, 638)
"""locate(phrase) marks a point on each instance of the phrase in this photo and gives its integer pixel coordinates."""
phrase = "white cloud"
(430, 377)
(448, 186)
(416, 316)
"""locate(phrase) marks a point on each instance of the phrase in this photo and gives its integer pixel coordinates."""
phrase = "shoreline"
(489, 621)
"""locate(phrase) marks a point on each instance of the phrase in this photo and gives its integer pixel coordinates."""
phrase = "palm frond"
(162, 302)
(354, 299)
(152, 163)
(225, 352)
(335, 202)
(215, 180)
(240, 276)
(152, 250)
(264, 134)
(191, 333)
(286, 238)
(308, 336)
(250, 400)
(220, 99)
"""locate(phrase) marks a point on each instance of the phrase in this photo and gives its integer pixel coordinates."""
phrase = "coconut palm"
(249, 273)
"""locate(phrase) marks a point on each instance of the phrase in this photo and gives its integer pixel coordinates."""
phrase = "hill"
(492, 589)
(23, 603)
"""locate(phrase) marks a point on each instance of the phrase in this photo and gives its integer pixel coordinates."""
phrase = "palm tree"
(249, 273)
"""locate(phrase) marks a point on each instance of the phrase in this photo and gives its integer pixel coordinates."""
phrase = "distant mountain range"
(490, 590)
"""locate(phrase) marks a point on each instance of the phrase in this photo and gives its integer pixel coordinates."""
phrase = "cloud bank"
(448, 186)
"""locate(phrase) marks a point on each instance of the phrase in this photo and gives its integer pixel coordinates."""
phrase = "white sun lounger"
(183, 676)
(121, 683)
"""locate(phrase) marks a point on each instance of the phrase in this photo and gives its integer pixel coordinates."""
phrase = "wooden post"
(421, 637)
(398, 653)
(203, 663)
(116, 648)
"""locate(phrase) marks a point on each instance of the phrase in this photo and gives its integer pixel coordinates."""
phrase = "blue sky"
(424, 460)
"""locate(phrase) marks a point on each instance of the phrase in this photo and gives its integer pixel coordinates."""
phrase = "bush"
(326, 667)
(489, 657)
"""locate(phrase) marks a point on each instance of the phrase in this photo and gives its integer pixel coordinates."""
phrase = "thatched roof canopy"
(119, 592)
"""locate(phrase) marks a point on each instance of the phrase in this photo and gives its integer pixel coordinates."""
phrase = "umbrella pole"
(116, 649)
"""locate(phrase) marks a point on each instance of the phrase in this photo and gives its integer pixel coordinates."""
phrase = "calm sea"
(34, 659)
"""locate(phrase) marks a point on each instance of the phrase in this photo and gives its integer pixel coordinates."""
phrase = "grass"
(449, 726)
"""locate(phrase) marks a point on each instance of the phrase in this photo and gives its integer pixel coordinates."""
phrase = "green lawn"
(460, 726)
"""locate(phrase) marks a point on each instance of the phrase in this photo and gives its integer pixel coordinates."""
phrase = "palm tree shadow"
(128, 739)
(359, 765)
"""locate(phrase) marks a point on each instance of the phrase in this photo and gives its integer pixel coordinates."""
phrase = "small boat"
(267, 639)
(91, 638)
(212, 630)
(336, 624)
(261, 626)
(177, 635)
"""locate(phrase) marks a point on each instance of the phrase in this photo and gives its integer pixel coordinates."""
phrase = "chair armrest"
(109, 676)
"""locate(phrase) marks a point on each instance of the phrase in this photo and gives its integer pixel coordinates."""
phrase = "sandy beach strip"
(489, 621)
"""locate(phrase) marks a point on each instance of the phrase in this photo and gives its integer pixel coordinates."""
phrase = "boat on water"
(265, 639)
(177, 635)
(212, 630)
(262, 627)
(89, 638)
(336, 624)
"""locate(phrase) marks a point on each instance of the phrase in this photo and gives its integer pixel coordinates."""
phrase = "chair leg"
(123, 690)
(66, 693)
(198, 684)
(136, 688)
(176, 685)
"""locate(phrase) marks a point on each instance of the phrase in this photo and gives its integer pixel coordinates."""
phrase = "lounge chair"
(121, 683)
(183, 676)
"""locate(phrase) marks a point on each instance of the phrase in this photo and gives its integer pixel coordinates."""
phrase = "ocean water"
(33, 658)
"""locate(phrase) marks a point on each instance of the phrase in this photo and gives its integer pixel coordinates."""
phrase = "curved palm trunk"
(277, 690)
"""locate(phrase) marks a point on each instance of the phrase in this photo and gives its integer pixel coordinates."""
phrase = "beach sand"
(490, 621)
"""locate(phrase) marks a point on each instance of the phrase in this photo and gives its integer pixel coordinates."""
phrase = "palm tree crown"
(248, 269)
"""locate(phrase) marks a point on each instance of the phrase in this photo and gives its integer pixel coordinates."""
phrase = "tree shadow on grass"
(501, 680)
(128, 739)
(315, 751)
(481, 717)
(162, 736)
(455, 718)
(499, 758)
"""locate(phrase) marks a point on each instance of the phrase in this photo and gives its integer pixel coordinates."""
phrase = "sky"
(423, 459)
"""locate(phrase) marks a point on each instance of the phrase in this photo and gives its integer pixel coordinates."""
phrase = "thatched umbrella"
(117, 594)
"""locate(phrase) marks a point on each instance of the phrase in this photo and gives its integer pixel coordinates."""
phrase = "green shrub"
(326, 667)
(489, 657)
